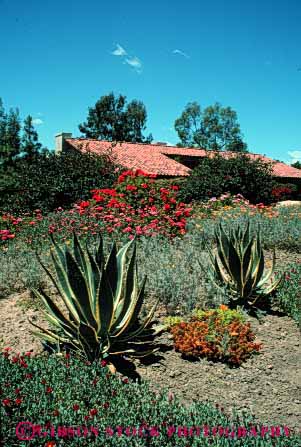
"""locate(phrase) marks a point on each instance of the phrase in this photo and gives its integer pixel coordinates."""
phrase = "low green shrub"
(239, 174)
(50, 181)
(50, 391)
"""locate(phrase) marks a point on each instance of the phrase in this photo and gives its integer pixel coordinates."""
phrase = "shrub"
(51, 181)
(216, 337)
(289, 296)
(216, 175)
(66, 392)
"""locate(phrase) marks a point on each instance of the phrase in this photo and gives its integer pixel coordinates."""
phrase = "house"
(160, 159)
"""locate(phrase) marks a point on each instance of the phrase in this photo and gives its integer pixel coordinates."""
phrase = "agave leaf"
(130, 293)
(142, 354)
(268, 275)
(221, 277)
(246, 236)
(80, 288)
(59, 252)
(54, 311)
(129, 314)
(274, 285)
(257, 274)
(112, 269)
(235, 266)
(247, 262)
(223, 248)
(99, 254)
(79, 255)
(68, 301)
(121, 261)
(141, 328)
(48, 333)
(104, 306)
(94, 280)
(65, 289)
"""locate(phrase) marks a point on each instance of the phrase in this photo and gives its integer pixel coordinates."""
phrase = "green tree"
(10, 142)
(112, 120)
(3, 119)
(297, 165)
(30, 139)
(216, 128)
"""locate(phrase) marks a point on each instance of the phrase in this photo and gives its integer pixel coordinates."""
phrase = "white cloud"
(181, 53)
(135, 63)
(119, 51)
(295, 156)
(37, 121)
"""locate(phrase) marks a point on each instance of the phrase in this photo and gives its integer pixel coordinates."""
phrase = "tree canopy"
(30, 140)
(215, 128)
(10, 142)
(111, 119)
(297, 165)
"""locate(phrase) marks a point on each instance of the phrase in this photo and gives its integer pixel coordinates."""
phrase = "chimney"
(60, 144)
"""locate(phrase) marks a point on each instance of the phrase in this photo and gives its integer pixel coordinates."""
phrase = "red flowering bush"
(10, 225)
(216, 338)
(137, 206)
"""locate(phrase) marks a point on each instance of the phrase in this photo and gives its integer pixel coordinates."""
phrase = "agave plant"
(239, 266)
(102, 300)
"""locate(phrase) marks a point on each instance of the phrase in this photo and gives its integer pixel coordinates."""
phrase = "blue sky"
(57, 60)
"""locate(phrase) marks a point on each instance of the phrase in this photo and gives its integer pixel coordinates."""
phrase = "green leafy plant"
(103, 300)
(239, 264)
(70, 393)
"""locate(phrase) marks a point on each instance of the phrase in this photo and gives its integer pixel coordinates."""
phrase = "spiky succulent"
(239, 265)
(102, 299)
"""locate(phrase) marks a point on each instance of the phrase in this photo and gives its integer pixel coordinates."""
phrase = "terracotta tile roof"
(154, 158)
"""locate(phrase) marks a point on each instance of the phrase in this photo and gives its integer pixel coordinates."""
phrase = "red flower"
(103, 363)
(106, 405)
(75, 407)
(126, 380)
(56, 413)
(6, 402)
(84, 204)
(18, 401)
(43, 381)
(17, 390)
(131, 188)
(29, 376)
(49, 390)
(93, 412)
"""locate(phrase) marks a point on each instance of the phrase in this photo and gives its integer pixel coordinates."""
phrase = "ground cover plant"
(48, 392)
(218, 334)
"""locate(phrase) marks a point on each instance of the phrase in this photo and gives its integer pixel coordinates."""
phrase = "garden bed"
(267, 385)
